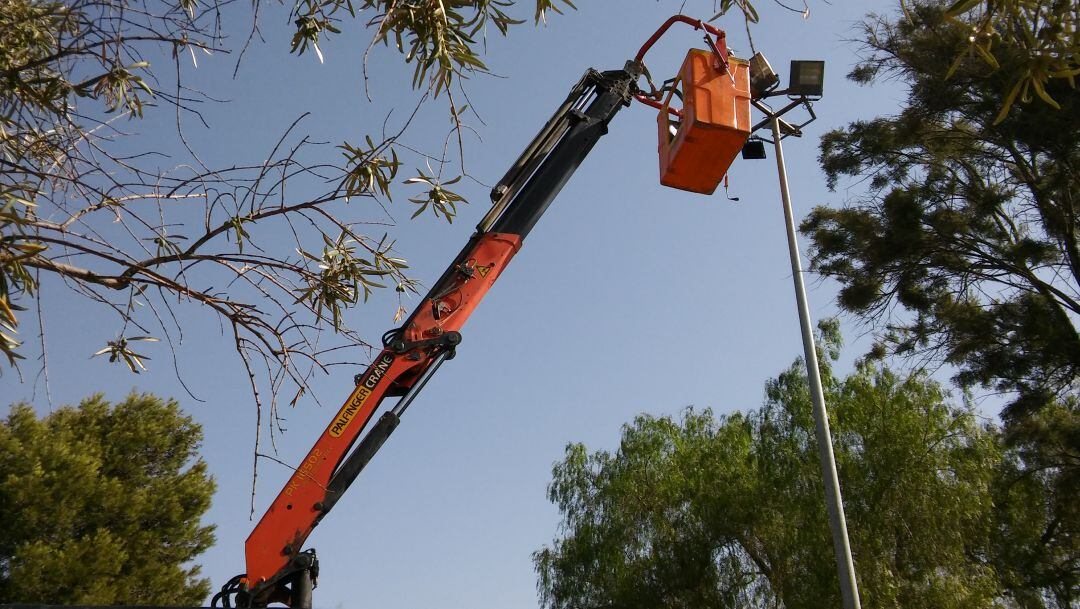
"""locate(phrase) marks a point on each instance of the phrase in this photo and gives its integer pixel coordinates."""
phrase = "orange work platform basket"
(699, 143)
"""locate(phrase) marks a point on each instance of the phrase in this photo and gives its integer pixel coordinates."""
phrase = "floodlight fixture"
(807, 78)
(753, 149)
(762, 76)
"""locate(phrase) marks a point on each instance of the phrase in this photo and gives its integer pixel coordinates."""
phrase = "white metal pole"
(849, 588)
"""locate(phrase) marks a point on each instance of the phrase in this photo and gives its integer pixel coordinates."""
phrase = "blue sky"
(627, 298)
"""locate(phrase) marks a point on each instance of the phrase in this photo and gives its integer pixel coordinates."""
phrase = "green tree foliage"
(101, 504)
(727, 511)
(1044, 36)
(965, 248)
(966, 245)
(117, 220)
(1038, 515)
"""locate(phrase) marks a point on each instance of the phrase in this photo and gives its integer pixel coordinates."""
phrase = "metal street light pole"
(849, 589)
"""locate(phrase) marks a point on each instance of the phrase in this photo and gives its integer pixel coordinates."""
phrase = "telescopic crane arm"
(278, 570)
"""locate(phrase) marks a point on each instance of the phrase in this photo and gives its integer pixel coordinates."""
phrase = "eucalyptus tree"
(86, 199)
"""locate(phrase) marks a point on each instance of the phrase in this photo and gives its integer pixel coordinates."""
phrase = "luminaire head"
(807, 78)
(753, 149)
(762, 76)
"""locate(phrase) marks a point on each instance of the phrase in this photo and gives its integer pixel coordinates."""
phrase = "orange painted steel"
(697, 145)
(296, 510)
(697, 148)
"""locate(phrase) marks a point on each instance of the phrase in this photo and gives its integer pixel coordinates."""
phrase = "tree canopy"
(139, 227)
(1044, 40)
(725, 511)
(965, 248)
(101, 504)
